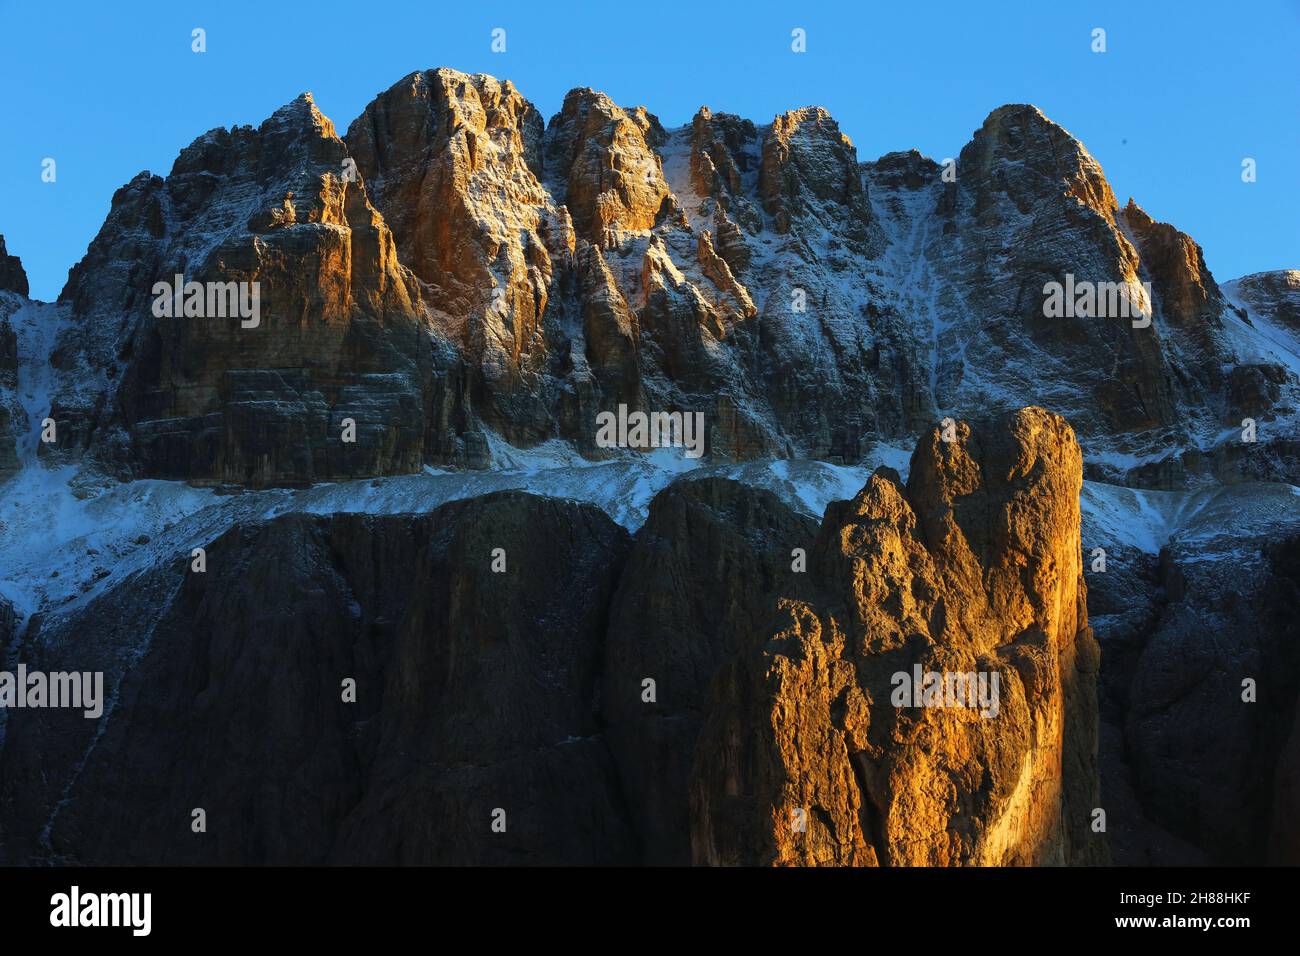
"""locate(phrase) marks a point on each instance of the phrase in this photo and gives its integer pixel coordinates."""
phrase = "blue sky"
(1183, 93)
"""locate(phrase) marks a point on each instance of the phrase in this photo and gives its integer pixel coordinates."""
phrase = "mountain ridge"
(544, 272)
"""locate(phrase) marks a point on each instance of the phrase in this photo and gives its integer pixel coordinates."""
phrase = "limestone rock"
(806, 157)
(602, 160)
(807, 303)
(1272, 294)
(13, 278)
(452, 162)
(474, 690)
(13, 418)
(973, 567)
(711, 557)
(216, 399)
(1210, 766)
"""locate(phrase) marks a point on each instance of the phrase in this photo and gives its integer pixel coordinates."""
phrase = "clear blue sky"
(1183, 93)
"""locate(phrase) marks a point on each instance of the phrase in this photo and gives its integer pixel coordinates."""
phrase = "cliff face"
(696, 591)
(973, 568)
(13, 292)
(451, 161)
(13, 278)
(1210, 686)
(248, 399)
(455, 270)
(229, 693)
(665, 699)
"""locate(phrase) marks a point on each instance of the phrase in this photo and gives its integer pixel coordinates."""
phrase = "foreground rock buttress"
(973, 566)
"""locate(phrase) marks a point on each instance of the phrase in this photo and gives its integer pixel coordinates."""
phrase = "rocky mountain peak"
(905, 169)
(806, 157)
(13, 278)
(453, 163)
(1017, 150)
(1274, 294)
(724, 161)
(1188, 293)
(602, 164)
(272, 210)
(805, 302)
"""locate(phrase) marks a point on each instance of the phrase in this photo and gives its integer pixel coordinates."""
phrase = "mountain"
(454, 269)
(420, 326)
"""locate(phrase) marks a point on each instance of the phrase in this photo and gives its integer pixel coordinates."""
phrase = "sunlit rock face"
(456, 269)
(603, 162)
(452, 162)
(495, 653)
(258, 399)
(972, 567)
(697, 589)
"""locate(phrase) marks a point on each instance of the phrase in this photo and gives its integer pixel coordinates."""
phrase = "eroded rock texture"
(703, 574)
(455, 269)
(216, 399)
(13, 292)
(770, 644)
(1211, 700)
(475, 690)
(974, 566)
(1271, 294)
(13, 418)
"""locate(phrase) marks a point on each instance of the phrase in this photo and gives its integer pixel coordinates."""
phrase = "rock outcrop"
(13, 278)
(452, 163)
(602, 161)
(227, 398)
(12, 416)
(972, 568)
(471, 690)
(1271, 294)
(703, 573)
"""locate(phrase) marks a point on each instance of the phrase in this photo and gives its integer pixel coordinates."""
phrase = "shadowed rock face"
(12, 416)
(1200, 678)
(1034, 199)
(520, 279)
(1214, 759)
(974, 567)
(13, 278)
(475, 690)
(1274, 294)
(704, 571)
